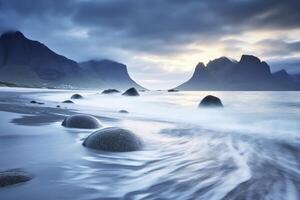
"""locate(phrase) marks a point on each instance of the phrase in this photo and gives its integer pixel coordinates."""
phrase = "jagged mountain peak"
(13, 34)
(249, 59)
(250, 73)
(200, 66)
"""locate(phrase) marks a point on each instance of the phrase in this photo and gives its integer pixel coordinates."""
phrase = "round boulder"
(76, 96)
(173, 90)
(113, 139)
(67, 101)
(81, 121)
(12, 177)
(131, 92)
(123, 111)
(211, 101)
(110, 91)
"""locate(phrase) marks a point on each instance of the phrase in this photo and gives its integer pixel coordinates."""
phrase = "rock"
(123, 111)
(12, 177)
(211, 101)
(110, 91)
(76, 96)
(58, 106)
(173, 90)
(67, 101)
(81, 121)
(35, 102)
(131, 92)
(113, 139)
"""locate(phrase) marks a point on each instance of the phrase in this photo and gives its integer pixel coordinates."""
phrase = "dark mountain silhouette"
(27, 62)
(250, 73)
(285, 79)
(296, 78)
(112, 74)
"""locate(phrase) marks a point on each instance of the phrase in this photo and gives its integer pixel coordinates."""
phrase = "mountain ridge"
(30, 62)
(249, 73)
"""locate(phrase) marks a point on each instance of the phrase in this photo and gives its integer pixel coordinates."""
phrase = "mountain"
(250, 73)
(296, 78)
(109, 74)
(27, 62)
(24, 61)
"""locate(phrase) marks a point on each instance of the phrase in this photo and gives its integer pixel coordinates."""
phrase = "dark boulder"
(113, 139)
(110, 91)
(67, 101)
(58, 106)
(211, 101)
(81, 121)
(76, 96)
(131, 92)
(12, 177)
(123, 111)
(173, 90)
(35, 102)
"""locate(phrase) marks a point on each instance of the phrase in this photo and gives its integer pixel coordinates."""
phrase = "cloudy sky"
(161, 41)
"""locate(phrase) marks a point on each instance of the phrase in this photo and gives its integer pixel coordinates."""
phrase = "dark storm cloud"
(169, 19)
(163, 20)
(158, 27)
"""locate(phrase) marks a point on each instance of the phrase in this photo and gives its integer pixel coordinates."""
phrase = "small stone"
(123, 111)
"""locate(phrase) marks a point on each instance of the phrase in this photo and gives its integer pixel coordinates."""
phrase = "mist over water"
(250, 149)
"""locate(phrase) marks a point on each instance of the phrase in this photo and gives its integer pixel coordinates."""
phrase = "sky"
(161, 41)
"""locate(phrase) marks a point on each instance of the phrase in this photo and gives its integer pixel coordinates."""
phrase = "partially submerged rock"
(81, 121)
(113, 139)
(36, 102)
(211, 101)
(173, 90)
(12, 177)
(110, 91)
(76, 96)
(123, 111)
(131, 92)
(67, 101)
